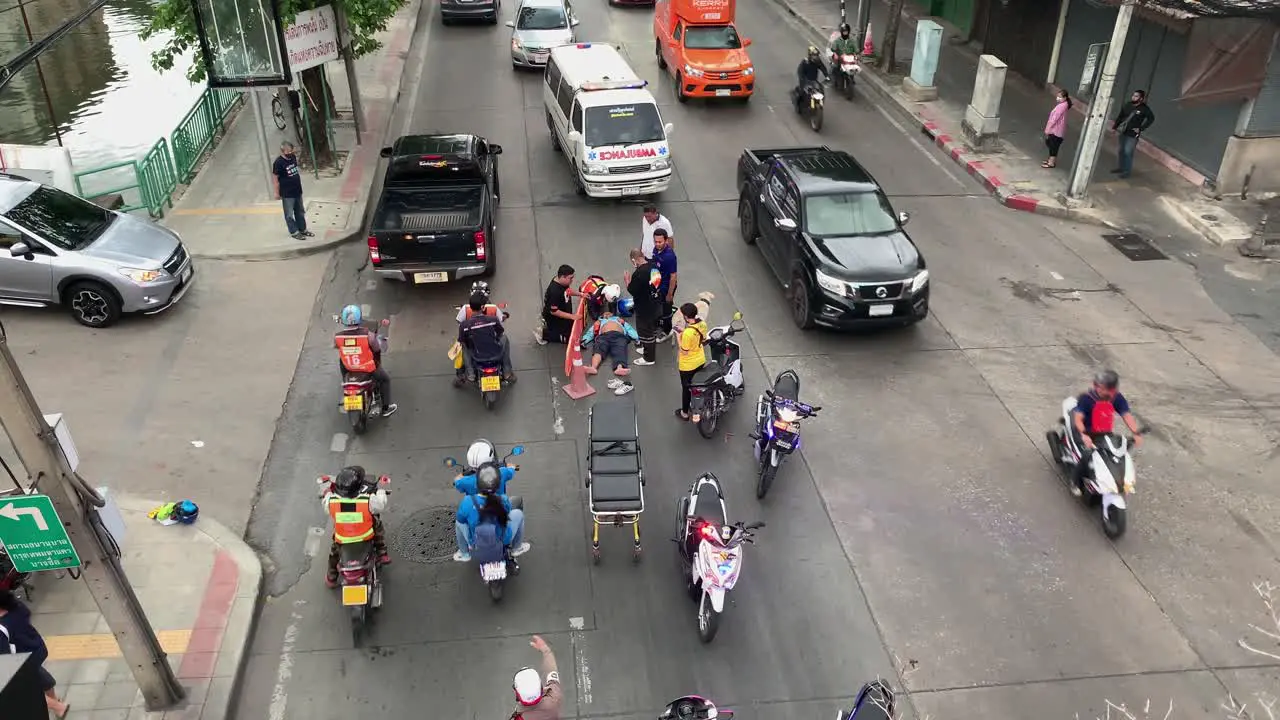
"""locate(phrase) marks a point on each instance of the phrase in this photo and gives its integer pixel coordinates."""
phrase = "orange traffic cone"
(868, 47)
(578, 386)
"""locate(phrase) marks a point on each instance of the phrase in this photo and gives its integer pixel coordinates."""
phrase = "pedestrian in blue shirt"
(287, 179)
(664, 258)
(18, 635)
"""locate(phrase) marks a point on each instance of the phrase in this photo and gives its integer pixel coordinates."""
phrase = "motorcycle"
(844, 68)
(1111, 473)
(488, 375)
(495, 571)
(719, 382)
(710, 550)
(811, 105)
(361, 398)
(875, 701)
(777, 433)
(359, 572)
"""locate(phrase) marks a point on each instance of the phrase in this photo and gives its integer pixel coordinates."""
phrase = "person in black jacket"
(1134, 118)
(642, 285)
(18, 635)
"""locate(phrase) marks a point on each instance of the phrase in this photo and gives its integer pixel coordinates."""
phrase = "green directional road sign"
(33, 535)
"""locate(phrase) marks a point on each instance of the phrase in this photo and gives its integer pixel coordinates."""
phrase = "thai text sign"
(312, 39)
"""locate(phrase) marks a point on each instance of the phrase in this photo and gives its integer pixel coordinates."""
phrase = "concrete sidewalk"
(226, 212)
(199, 585)
(1014, 174)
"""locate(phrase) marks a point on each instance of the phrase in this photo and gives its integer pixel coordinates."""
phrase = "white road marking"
(315, 541)
(284, 671)
(366, 310)
(583, 674)
(371, 285)
(1056, 276)
(919, 145)
(557, 425)
(339, 443)
(197, 443)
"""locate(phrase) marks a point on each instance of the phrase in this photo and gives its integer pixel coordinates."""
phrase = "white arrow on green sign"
(33, 535)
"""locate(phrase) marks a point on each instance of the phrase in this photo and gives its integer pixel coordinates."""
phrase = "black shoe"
(459, 381)
(509, 379)
(1116, 171)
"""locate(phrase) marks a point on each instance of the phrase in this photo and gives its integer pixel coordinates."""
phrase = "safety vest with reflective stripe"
(352, 519)
(490, 310)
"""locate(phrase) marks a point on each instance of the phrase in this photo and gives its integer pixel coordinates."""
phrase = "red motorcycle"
(359, 572)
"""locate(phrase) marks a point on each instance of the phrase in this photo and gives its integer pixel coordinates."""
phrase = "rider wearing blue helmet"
(352, 320)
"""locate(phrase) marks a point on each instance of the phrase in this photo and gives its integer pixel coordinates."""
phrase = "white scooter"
(1111, 475)
(710, 550)
(846, 69)
(718, 383)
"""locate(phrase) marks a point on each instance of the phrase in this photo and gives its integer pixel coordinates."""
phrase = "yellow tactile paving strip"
(96, 647)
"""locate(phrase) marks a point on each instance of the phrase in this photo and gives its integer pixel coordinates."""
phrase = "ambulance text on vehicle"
(605, 121)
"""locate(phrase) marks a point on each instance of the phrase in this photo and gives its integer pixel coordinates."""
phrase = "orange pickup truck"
(696, 42)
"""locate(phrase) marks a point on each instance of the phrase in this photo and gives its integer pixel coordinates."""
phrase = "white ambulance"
(605, 122)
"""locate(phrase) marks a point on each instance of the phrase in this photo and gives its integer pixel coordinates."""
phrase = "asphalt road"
(923, 536)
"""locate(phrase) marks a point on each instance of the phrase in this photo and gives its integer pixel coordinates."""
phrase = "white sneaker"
(614, 383)
(518, 551)
(623, 389)
(1075, 490)
(642, 362)
(537, 337)
(461, 557)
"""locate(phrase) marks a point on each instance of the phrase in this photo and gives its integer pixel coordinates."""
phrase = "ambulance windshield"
(712, 37)
(623, 125)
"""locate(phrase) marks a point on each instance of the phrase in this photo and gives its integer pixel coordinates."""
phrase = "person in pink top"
(1055, 130)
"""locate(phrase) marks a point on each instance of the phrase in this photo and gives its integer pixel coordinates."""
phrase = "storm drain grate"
(1135, 247)
(427, 536)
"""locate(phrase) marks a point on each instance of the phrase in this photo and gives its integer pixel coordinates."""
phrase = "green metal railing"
(197, 131)
(149, 183)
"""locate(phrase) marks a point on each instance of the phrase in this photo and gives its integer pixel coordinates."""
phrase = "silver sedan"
(539, 26)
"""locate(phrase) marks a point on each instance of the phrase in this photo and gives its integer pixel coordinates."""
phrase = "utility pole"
(1099, 109)
(75, 503)
(263, 146)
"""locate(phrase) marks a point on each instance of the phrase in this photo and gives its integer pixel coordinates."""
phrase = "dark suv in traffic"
(826, 229)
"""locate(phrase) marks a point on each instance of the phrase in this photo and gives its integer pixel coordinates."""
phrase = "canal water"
(108, 103)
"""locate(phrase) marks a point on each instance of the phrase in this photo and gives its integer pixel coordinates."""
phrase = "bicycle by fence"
(149, 183)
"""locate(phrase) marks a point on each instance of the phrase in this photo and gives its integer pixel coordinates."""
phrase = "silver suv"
(59, 249)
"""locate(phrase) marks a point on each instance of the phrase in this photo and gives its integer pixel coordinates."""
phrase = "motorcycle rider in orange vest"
(492, 338)
(352, 319)
(355, 507)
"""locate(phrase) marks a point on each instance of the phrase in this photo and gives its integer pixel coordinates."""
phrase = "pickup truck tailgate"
(428, 225)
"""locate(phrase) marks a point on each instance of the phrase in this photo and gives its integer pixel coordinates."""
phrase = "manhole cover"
(1135, 247)
(427, 536)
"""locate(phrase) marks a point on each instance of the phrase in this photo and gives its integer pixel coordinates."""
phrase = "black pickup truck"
(435, 217)
(826, 229)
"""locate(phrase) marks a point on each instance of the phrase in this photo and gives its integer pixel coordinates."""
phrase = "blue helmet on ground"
(186, 512)
(626, 307)
(351, 315)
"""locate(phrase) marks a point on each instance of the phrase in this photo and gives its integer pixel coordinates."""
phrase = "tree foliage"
(365, 19)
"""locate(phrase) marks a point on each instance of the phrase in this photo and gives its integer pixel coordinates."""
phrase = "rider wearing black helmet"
(844, 44)
(355, 505)
(806, 73)
(1095, 415)
(489, 506)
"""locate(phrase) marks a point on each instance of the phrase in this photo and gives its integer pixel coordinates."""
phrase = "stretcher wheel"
(635, 554)
(595, 555)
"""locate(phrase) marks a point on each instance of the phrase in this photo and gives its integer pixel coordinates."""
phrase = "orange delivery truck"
(697, 42)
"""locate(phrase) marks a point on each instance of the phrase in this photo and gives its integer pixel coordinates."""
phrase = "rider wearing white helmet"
(352, 319)
(480, 454)
(538, 697)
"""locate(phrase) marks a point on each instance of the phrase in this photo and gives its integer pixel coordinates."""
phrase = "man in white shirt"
(651, 221)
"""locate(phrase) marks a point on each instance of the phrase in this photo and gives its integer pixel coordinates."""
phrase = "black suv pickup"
(828, 232)
(435, 217)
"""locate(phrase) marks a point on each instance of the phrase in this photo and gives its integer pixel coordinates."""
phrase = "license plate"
(186, 274)
(785, 445)
(431, 277)
(630, 191)
(493, 571)
(722, 93)
(353, 402)
(880, 310)
(355, 594)
(490, 383)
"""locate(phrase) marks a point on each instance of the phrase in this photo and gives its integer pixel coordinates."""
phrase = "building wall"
(1264, 120)
(1152, 61)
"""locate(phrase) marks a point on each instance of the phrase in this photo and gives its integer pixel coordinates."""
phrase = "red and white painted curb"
(979, 170)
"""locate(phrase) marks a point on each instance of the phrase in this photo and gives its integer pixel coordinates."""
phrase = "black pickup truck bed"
(752, 161)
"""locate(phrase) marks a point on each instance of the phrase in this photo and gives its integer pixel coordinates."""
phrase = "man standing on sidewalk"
(664, 258)
(651, 221)
(642, 284)
(287, 178)
(1134, 117)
